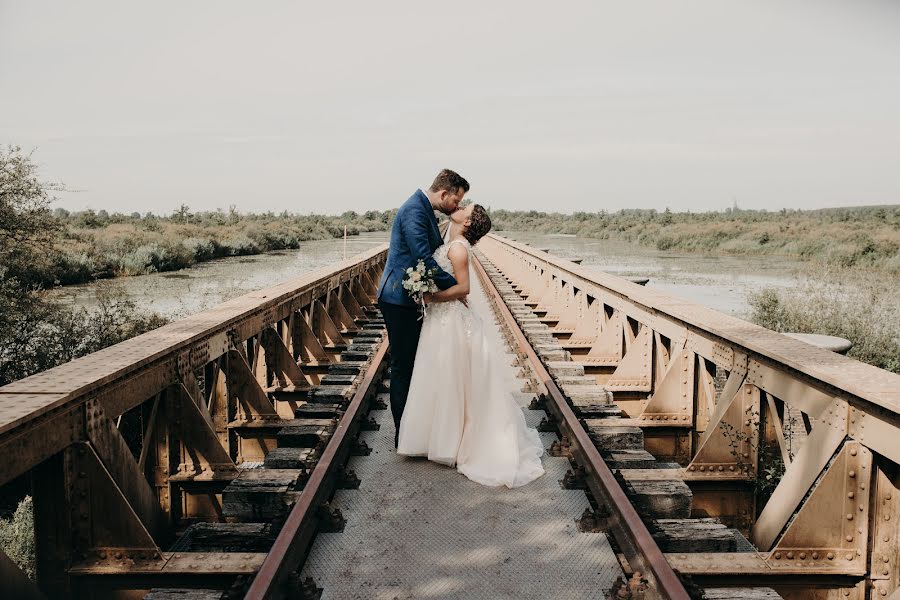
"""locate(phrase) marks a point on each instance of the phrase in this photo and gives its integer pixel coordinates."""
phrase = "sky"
(563, 106)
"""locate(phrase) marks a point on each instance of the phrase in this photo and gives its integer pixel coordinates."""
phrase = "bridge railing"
(126, 442)
(717, 394)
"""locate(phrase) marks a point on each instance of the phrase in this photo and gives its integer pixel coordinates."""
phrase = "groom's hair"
(479, 225)
(450, 181)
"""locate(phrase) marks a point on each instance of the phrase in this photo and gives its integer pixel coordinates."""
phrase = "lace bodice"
(440, 255)
(451, 310)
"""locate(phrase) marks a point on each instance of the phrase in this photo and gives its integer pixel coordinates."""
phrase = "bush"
(17, 536)
(858, 307)
(241, 245)
(37, 334)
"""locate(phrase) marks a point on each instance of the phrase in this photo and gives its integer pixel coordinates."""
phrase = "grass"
(95, 245)
(865, 237)
(861, 307)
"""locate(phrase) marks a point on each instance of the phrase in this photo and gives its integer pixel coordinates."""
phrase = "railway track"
(642, 504)
(201, 460)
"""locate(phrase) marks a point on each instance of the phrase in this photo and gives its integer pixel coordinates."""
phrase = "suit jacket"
(414, 237)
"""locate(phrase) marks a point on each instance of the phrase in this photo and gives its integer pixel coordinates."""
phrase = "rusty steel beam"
(868, 384)
(291, 545)
(43, 414)
(632, 535)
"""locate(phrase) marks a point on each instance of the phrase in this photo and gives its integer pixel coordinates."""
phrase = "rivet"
(790, 555)
(852, 450)
(830, 555)
(852, 473)
(702, 468)
(849, 556)
(849, 538)
(888, 497)
(887, 517)
(887, 559)
(692, 468)
(850, 495)
(815, 555)
(849, 516)
(731, 468)
(803, 556)
(778, 556)
(721, 468)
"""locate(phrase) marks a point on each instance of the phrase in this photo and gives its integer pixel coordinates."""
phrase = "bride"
(461, 410)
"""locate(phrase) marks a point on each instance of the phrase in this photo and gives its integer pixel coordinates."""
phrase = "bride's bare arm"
(459, 258)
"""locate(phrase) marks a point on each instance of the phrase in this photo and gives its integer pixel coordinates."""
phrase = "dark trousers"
(403, 329)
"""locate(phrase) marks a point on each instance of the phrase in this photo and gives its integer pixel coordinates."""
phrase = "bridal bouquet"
(419, 281)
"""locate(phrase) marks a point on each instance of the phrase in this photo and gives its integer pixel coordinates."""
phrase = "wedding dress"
(460, 409)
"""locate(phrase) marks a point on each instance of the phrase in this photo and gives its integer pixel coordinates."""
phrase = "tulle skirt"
(461, 409)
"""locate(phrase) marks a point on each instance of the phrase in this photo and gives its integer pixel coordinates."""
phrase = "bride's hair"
(479, 225)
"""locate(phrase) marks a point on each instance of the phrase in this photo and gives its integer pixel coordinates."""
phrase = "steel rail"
(631, 534)
(844, 374)
(291, 545)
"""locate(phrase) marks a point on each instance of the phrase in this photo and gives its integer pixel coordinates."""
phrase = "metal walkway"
(419, 530)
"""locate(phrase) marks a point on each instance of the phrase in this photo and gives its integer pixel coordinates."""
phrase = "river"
(720, 282)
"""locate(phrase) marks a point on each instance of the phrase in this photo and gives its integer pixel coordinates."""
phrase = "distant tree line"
(91, 245)
(866, 237)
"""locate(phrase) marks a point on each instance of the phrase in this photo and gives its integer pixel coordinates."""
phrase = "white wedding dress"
(460, 409)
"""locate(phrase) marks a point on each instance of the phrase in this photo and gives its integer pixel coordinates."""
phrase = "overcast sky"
(331, 106)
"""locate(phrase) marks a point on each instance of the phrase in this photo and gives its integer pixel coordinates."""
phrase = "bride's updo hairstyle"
(479, 225)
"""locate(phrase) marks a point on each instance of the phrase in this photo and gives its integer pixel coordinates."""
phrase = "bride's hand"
(465, 301)
(427, 298)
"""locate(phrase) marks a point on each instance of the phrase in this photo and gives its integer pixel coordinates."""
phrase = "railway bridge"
(243, 452)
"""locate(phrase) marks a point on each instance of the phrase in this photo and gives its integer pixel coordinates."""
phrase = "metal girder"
(200, 451)
(828, 433)
(306, 345)
(323, 326)
(339, 313)
(731, 444)
(635, 371)
(252, 401)
(609, 345)
(38, 439)
(280, 361)
(729, 394)
(116, 457)
(830, 530)
(673, 397)
(14, 583)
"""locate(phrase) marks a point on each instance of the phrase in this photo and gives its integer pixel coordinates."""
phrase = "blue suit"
(414, 237)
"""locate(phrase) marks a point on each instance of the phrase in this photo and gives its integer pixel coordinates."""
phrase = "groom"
(414, 237)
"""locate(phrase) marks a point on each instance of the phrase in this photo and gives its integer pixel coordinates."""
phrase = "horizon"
(291, 107)
(490, 209)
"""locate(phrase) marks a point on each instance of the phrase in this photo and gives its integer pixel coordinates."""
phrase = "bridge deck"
(420, 530)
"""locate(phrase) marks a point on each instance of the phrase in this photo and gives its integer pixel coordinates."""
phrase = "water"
(720, 282)
(177, 294)
(723, 283)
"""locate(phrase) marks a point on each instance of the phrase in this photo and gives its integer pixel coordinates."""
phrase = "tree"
(27, 227)
(182, 214)
(666, 217)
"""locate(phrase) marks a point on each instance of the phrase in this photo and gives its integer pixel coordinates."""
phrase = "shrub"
(855, 306)
(17, 536)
